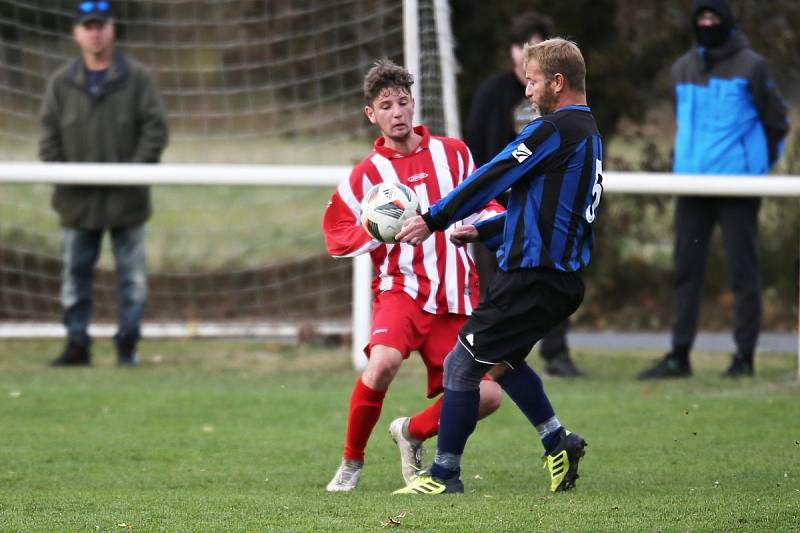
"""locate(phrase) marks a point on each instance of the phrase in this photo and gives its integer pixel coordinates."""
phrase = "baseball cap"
(88, 11)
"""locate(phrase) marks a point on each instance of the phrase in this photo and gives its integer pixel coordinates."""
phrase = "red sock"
(425, 424)
(365, 410)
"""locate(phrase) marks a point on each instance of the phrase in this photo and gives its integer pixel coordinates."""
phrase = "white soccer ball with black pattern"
(384, 209)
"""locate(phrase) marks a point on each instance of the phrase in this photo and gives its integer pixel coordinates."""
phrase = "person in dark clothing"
(499, 111)
(102, 107)
(731, 119)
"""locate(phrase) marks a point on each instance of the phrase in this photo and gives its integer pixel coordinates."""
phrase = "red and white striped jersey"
(438, 275)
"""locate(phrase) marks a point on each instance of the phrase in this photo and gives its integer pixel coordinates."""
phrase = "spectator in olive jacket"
(102, 107)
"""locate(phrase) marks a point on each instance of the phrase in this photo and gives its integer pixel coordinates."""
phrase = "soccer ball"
(384, 209)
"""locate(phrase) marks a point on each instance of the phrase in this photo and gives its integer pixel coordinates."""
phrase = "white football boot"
(411, 449)
(346, 477)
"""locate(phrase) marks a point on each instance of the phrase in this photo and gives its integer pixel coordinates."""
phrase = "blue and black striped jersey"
(553, 169)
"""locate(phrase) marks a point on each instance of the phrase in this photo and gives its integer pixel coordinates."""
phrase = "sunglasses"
(91, 7)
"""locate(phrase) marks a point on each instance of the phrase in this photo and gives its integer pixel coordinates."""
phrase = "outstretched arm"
(344, 234)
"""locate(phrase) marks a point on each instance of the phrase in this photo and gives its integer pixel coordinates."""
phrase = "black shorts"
(520, 307)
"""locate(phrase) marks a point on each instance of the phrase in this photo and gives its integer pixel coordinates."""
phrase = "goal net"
(267, 82)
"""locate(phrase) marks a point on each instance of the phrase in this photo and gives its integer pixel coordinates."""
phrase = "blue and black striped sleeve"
(490, 232)
(534, 144)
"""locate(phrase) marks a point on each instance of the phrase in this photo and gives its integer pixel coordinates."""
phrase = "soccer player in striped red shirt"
(423, 294)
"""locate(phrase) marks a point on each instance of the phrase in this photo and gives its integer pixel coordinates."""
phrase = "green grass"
(243, 436)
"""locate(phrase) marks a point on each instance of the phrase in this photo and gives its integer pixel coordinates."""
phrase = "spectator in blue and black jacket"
(731, 119)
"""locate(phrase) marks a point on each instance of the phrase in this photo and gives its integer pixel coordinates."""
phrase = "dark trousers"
(555, 342)
(694, 221)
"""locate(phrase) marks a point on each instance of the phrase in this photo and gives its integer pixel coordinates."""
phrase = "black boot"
(668, 367)
(741, 366)
(126, 352)
(74, 354)
(561, 365)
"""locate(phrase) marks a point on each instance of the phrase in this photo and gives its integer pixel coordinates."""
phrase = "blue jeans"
(81, 249)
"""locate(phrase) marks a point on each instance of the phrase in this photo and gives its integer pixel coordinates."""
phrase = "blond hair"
(385, 74)
(559, 56)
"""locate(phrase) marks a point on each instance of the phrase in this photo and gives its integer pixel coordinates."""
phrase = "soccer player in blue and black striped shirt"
(543, 241)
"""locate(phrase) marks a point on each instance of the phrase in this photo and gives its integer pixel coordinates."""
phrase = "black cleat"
(426, 483)
(562, 463)
(668, 367)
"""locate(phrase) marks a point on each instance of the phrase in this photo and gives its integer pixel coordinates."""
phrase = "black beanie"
(714, 36)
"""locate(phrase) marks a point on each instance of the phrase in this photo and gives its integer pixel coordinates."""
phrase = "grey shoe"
(346, 477)
(411, 449)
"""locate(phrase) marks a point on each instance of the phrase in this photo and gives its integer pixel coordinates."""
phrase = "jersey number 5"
(597, 192)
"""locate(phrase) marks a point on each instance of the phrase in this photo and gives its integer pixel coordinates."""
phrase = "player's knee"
(461, 371)
(491, 397)
(383, 364)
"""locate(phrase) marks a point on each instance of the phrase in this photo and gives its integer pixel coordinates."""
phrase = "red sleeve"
(344, 234)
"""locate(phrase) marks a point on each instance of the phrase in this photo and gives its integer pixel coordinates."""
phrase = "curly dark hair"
(385, 74)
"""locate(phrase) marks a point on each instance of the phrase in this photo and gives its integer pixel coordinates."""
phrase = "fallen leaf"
(393, 521)
(477, 476)
(208, 428)
(14, 394)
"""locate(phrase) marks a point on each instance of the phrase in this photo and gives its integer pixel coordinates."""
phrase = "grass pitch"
(243, 436)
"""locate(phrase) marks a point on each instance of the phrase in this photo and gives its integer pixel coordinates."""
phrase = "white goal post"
(330, 176)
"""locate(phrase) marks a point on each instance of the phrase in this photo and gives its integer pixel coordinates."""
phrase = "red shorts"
(398, 322)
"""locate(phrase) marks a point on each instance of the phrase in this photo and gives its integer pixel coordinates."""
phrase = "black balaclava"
(716, 35)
